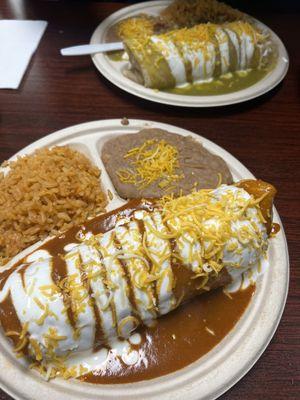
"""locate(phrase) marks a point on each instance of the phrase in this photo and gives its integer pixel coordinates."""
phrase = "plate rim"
(73, 132)
(102, 64)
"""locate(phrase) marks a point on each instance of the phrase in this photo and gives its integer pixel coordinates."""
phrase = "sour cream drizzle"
(232, 45)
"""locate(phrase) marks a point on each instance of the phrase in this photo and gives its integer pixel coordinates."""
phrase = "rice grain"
(46, 193)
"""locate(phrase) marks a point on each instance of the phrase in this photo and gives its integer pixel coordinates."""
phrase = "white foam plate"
(112, 70)
(211, 375)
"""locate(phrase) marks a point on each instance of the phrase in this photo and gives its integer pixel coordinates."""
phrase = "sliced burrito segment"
(130, 267)
(197, 54)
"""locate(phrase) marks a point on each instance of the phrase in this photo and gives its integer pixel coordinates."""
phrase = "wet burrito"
(196, 54)
(129, 267)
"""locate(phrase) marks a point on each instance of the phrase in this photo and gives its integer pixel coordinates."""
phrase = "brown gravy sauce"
(179, 338)
(101, 224)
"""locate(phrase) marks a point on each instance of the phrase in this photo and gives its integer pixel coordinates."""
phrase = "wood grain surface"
(264, 134)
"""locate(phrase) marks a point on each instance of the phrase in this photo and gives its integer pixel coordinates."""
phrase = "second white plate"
(113, 70)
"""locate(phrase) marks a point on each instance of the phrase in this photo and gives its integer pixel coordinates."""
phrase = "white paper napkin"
(18, 41)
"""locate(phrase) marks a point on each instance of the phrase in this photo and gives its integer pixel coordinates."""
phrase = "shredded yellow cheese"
(47, 313)
(22, 341)
(74, 293)
(155, 160)
(210, 331)
(200, 218)
(12, 333)
(135, 27)
(36, 349)
(130, 319)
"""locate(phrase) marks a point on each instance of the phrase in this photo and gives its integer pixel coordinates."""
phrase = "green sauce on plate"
(228, 83)
(115, 55)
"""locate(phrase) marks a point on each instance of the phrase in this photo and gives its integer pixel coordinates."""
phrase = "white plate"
(113, 70)
(211, 375)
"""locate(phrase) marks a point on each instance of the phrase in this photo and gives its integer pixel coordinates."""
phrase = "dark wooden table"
(264, 134)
